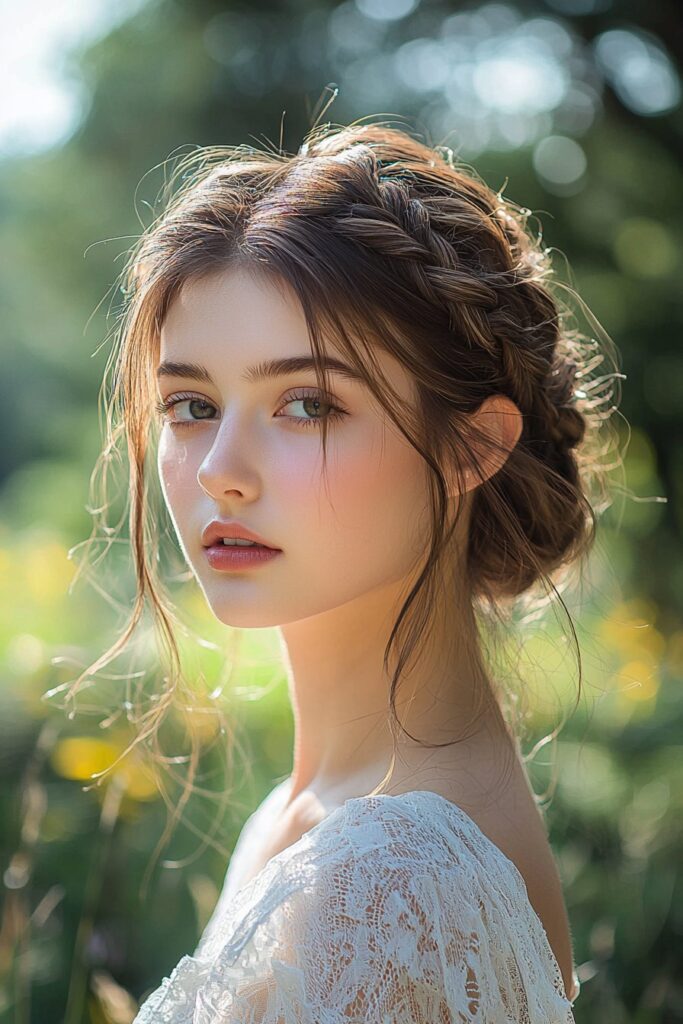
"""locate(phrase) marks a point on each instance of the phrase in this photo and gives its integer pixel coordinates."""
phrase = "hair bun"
(569, 428)
(567, 424)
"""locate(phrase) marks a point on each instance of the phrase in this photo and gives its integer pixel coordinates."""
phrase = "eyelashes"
(164, 409)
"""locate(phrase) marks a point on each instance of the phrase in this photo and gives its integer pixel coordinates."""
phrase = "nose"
(226, 467)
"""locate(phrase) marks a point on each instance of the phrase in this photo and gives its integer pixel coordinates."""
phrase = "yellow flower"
(81, 757)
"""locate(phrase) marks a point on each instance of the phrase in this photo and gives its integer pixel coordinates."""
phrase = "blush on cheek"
(369, 498)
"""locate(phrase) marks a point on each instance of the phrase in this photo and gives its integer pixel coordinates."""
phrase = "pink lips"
(218, 529)
(234, 558)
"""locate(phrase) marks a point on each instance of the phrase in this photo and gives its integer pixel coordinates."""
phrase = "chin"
(240, 613)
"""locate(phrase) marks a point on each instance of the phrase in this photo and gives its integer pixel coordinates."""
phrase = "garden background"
(573, 107)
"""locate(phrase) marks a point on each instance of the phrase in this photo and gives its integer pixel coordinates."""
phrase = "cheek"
(176, 472)
(368, 515)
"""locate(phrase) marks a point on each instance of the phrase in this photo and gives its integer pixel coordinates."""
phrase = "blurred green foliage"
(77, 941)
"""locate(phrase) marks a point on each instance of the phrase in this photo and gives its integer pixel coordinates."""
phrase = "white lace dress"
(392, 910)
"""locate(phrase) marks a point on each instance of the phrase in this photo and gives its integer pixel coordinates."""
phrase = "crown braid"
(399, 225)
(382, 237)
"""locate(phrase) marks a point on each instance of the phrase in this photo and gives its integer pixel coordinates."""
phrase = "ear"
(499, 420)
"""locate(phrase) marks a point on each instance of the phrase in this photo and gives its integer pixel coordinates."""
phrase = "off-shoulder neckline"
(468, 820)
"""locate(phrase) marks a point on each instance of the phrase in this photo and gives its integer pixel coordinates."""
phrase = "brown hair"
(387, 242)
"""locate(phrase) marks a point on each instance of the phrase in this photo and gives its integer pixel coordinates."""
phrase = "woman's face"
(244, 456)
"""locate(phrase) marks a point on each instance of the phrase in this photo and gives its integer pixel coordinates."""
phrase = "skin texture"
(349, 551)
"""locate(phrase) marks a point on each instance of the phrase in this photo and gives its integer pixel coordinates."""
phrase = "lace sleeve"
(355, 924)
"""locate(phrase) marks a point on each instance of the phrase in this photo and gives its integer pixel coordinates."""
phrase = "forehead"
(234, 307)
(247, 320)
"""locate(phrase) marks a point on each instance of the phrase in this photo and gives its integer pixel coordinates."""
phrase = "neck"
(340, 691)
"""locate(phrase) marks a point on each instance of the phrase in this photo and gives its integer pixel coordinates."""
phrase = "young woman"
(358, 364)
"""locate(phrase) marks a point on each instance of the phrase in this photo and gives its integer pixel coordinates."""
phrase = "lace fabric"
(393, 909)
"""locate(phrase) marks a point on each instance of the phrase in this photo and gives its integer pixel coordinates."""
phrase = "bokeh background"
(573, 107)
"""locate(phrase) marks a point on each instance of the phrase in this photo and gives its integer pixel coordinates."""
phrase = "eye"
(164, 409)
(314, 399)
(201, 409)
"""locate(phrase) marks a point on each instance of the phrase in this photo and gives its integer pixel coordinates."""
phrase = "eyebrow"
(261, 371)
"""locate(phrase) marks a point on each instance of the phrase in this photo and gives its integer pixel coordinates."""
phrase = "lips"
(231, 559)
(215, 531)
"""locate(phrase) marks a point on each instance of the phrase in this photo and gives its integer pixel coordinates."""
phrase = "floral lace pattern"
(393, 909)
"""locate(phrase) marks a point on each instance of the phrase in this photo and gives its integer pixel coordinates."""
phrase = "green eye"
(164, 409)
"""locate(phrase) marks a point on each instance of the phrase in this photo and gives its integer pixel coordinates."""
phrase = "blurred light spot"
(25, 653)
(494, 79)
(139, 784)
(80, 757)
(513, 131)
(578, 110)
(18, 873)
(114, 1003)
(636, 681)
(645, 248)
(52, 898)
(554, 35)
(639, 69)
(519, 77)
(601, 943)
(461, 134)
(589, 778)
(460, 24)
(372, 80)
(628, 630)
(421, 64)
(652, 800)
(46, 569)
(43, 100)
(460, 92)
(559, 161)
(495, 18)
(386, 10)
(350, 33)
(201, 722)
(641, 819)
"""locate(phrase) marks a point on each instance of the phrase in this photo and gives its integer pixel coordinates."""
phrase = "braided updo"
(386, 239)
(390, 243)
(460, 251)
